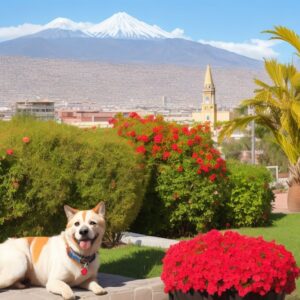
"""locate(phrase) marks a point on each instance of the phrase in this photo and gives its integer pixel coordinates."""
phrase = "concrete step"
(118, 288)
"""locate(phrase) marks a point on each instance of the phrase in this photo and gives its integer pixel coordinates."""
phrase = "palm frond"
(287, 35)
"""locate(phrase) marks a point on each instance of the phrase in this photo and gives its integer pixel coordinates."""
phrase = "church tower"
(209, 107)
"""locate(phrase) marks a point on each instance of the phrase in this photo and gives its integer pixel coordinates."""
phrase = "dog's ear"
(100, 208)
(70, 211)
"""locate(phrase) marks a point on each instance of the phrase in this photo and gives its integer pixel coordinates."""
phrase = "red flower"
(158, 138)
(134, 115)
(143, 138)
(175, 130)
(174, 147)
(217, 263)
(212, 177)
(185, 130)
(180, 169)
(190, 143)
(209, 156)
(198, 139)
(220, 160)
(112, 121)
(156, 148)
(194, 155)
(150, 118)
(141, 149)
(175, 137)
(166, 155)
(199, 161)
(131, 133)
(9, 151)
(26, 139)
(205, 168)
(157, 129)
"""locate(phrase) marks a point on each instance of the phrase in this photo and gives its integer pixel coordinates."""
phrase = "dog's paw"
(68, 295)
(19, 285)
(98, 290)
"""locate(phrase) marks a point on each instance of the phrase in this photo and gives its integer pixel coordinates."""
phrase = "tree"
(276, 106)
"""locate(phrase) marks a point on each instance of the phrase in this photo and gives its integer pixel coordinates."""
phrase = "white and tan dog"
(59, 262)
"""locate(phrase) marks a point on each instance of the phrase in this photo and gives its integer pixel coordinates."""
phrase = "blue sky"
(235, 24)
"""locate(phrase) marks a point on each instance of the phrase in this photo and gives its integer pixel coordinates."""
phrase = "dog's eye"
(93, 223)
(77, 223)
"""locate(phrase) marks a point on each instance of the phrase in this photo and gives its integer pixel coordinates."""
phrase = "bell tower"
(209, 107)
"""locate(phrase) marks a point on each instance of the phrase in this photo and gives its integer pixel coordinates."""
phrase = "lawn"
(143, 262)
(132, 261)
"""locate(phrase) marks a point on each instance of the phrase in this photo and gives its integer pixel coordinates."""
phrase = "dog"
(58, 262)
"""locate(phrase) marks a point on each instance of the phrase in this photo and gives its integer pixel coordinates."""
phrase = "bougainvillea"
(216, 263)
(161, 141)
(189, 173)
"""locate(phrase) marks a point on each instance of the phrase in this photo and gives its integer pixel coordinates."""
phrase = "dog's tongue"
(85, 244)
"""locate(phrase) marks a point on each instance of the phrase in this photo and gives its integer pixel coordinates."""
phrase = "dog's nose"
(83, 230)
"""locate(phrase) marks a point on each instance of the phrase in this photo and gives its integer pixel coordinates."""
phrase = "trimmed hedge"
(250, 203)
(59, 164)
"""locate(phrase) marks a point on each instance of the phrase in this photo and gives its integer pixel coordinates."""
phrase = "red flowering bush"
(217, 263)
(188, 174)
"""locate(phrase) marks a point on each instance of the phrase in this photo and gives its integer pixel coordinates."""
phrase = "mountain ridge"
(159, 51)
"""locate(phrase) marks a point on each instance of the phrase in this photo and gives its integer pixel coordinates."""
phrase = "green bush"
(64, 165)
(250, 203)
(186, 192)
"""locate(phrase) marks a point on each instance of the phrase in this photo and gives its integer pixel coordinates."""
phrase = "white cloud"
(12, 32)
(254, 48)
(179, 33)
(7, 33)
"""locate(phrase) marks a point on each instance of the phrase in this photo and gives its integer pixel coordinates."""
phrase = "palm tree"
(276, 106)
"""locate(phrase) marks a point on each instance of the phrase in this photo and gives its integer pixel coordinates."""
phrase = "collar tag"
(84, 270)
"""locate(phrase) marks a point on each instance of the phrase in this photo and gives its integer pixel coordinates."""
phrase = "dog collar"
(83, 260)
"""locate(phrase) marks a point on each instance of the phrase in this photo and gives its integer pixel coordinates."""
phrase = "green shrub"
(250, 203)
(65, 165)
(186, 191)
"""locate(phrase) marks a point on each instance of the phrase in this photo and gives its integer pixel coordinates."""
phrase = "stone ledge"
(118, 288)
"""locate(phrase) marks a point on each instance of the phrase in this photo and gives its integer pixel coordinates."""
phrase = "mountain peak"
(122, 25)
(67, 24)
(61, 23)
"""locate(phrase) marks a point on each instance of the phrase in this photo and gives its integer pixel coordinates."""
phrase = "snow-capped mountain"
(58, 33)
(67, 24)
(119, 39)
(123, 26)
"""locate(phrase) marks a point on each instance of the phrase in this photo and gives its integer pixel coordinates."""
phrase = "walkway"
(118, 288)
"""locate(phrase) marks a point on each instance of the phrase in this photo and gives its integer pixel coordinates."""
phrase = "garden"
(168, 180)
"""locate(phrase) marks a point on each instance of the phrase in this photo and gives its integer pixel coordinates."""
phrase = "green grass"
(144, 262)
(132, 261)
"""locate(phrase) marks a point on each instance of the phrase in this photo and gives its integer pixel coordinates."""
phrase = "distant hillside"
(145, 84)
(158, 51)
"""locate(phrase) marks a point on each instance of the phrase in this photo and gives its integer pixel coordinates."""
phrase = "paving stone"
(143, 293)
(124, 295)
(159, 296)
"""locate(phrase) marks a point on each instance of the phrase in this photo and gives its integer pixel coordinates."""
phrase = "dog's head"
(85, 228)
